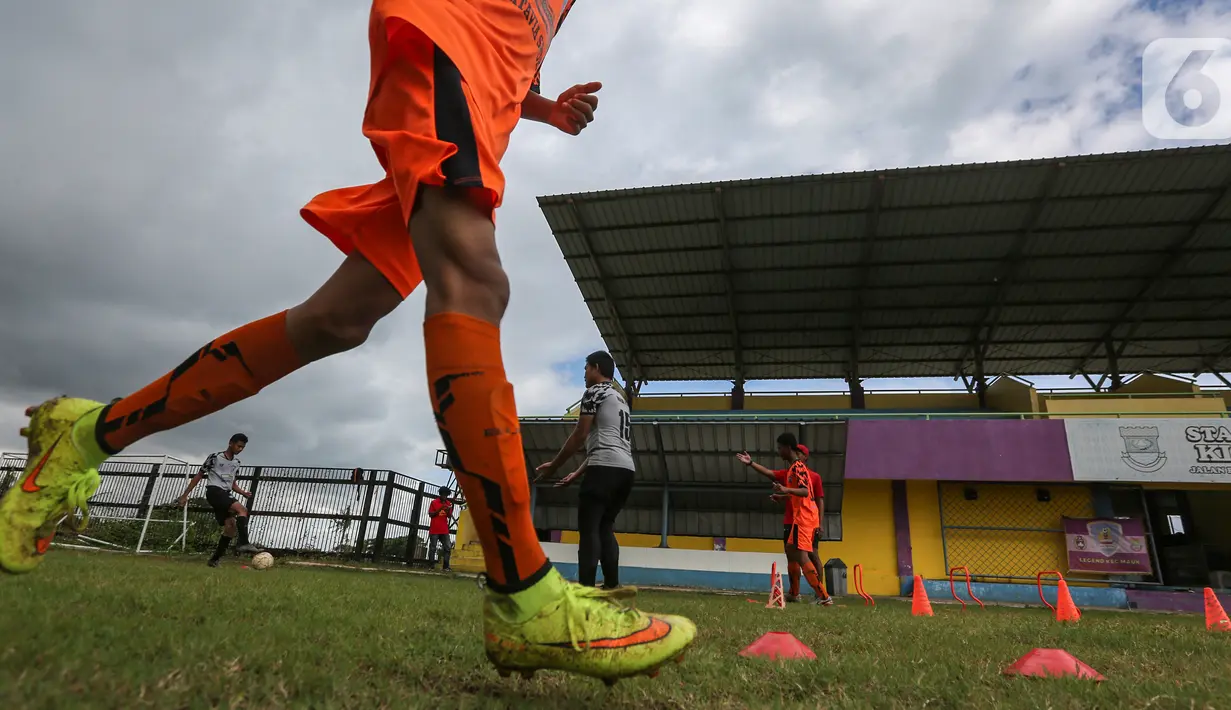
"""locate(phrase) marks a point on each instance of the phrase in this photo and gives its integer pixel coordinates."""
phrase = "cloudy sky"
(154, 155)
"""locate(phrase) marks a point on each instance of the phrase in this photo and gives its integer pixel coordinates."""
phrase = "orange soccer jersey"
(804, 511)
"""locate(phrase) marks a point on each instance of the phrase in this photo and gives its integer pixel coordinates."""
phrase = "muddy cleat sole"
(651, 673)
(61, 474)
(560, 626)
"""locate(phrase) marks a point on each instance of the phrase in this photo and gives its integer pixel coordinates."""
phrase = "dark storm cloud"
(154, 155)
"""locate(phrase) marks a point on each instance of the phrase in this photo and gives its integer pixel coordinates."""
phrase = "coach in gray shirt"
(605, 425)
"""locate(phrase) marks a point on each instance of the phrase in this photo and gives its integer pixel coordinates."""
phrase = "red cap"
(803, 450)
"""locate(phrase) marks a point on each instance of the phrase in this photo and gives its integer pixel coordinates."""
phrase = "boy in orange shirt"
(780, 478)
(800, 535)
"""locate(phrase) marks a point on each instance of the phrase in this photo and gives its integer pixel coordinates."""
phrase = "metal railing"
(745, 415)
(302, 510)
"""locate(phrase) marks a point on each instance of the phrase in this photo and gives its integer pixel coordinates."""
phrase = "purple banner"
(1107, 545)
(1034, 450)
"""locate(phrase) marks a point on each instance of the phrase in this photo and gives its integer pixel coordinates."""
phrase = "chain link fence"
(1009, 532)
(383, 516)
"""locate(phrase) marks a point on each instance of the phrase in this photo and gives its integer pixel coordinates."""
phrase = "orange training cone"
(1066, 610)
(1051, 663)
(919, 604)
(776, 600)
(1215, 616)
(777, 645)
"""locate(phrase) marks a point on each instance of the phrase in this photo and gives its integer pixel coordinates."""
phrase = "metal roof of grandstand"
(1058, 266)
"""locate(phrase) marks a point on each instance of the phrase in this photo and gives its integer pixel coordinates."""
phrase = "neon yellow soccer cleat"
(60, 476)
(580, 629)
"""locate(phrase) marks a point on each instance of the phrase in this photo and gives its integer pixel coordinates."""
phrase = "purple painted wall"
(1034, 450)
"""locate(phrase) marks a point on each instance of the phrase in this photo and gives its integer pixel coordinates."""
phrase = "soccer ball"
(262, 560)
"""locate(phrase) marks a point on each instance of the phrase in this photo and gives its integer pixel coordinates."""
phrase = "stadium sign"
(1150, 450)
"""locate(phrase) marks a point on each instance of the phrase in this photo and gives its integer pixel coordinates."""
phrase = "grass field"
(112, 631)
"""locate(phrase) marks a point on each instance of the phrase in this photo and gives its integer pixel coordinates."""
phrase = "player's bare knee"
(229, 527)
(476, 284)
(341, 314)
(456, 247)
(333, 327)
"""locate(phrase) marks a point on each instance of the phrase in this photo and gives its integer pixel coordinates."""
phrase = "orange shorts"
(429, 125)
(801, 536)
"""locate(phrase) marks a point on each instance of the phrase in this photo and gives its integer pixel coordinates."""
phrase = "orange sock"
(792, 569)
(814, 579)
(477, 417)
(223, 372)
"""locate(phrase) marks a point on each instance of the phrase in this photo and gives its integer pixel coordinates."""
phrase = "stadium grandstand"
(1115, 269)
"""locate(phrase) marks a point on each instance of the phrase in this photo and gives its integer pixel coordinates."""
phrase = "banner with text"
(1107, 545)
(1145, 450)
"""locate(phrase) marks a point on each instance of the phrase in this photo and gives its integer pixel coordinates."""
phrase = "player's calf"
(224, 541)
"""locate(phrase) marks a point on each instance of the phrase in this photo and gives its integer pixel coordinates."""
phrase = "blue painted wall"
(938, 590)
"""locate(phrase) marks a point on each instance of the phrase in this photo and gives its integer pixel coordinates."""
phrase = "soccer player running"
(219, 472)
(441, 514)
(605, 426)
(450, 79)
(802, 519)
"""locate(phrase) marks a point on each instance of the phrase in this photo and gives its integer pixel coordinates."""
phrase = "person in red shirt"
(801, 521)
(818, 490)
(440, 512)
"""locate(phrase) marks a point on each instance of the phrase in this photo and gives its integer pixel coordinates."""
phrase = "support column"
(737, 395)
(666, 481)
(857, 393)
(1113, 365)
(980, 379)
(666, 516)
(901, 531)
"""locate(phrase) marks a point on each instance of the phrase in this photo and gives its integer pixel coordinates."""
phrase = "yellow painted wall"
(1009, 395)
(925, 401)
(1150, 384)
(681, 403)
(677, 542)
(1128, 407)
(787, 402)
(1005, 395)
(927, 545)
(1011, 552)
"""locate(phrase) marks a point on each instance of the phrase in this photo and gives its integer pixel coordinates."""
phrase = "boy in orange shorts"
(450, 79)
(800, 535)
(789, 530)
